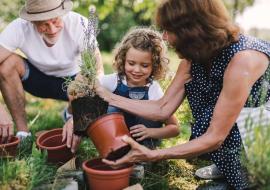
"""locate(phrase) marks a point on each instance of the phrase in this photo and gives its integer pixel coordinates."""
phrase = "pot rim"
(46, 147)
(107, 172)
(15, 142)
(97, 120)
(49, 131)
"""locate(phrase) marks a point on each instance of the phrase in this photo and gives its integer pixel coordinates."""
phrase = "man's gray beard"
(50, 41)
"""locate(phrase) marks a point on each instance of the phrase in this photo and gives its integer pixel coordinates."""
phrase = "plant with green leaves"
(13, 174)
(86, 105)
(39, 171)
(258, 154)
(27, 173)
(84, 84)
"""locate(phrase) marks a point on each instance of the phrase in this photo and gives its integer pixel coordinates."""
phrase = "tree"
(9, 10)
(237, 6)
(117, 16)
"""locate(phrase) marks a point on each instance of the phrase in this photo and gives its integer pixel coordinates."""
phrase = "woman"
(228, 71)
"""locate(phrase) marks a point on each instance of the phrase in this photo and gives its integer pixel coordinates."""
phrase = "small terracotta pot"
(106, 133)
(51, 141)
(100, 176)
(9, 149)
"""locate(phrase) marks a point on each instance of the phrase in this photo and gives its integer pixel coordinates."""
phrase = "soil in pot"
(51, 141)
(101, 176)
(106, 133)
(85, 110)
(9, 149)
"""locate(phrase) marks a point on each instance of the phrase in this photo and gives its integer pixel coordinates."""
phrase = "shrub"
(257, 148)
(258, 156)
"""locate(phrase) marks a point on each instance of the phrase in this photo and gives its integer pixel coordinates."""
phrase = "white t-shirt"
(110, 82)
(62, 59)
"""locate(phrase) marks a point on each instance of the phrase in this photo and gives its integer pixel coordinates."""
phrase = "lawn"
(29, 170)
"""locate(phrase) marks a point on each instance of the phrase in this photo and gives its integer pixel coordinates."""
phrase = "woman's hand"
(6, 125)
(73, 141)
(138, 153)
(102, 92)
(140, 132)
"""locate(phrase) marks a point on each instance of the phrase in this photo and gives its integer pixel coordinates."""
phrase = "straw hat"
(38, 10)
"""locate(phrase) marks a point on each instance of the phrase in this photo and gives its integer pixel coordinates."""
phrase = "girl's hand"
(140, 132)
(138, 153)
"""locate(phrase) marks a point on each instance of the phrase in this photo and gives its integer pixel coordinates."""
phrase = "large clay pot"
(9, 149)
(100, 176)
(51, 141)
(106, 133)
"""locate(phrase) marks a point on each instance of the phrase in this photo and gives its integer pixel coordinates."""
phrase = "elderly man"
(50, 35)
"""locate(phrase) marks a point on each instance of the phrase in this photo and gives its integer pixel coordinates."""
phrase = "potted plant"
(86, 105)
(89, 110)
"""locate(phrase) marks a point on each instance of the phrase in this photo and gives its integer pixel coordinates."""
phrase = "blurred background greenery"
(116, 16)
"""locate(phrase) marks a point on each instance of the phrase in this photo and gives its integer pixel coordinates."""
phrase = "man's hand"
(138, 153)
(73, 141)
(6, 125)
(140, 132)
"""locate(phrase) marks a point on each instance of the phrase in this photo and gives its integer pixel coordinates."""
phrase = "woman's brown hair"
(144, 39)
(202, 27)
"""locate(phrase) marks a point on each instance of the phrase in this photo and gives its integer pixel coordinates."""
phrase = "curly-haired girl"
(139, 61)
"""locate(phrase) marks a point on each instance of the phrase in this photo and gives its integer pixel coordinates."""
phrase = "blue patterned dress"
(203, 92)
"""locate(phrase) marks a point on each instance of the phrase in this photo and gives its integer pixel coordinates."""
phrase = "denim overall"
(138, 93)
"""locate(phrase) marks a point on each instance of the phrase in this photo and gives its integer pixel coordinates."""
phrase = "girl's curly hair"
(145, 39)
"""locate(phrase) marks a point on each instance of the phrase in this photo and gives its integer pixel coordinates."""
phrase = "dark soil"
(115, 155)
(86, 110)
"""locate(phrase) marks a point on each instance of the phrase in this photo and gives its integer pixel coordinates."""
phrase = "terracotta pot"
(100, 176)
(51, 141)
(9, 149)
(106, 133)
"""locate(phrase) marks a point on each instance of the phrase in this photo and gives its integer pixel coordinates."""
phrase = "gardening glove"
(23, 134)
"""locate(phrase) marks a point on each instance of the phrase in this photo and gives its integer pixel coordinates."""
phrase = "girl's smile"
(138, 67)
